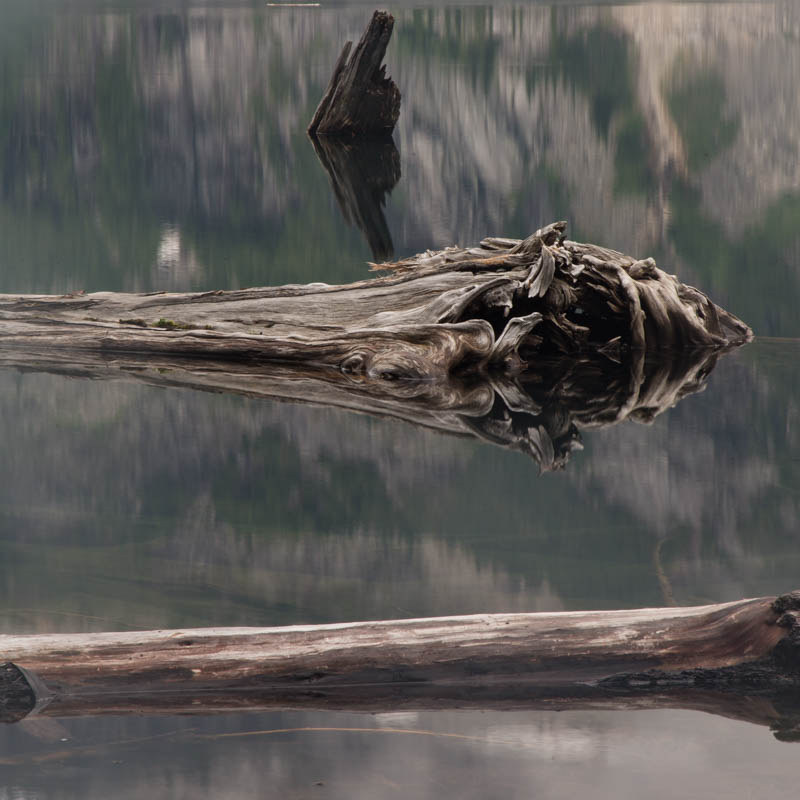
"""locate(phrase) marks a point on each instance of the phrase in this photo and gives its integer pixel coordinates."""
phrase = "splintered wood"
(360, 99)
(496, 307)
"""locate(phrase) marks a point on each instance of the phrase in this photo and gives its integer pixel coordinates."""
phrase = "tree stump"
(360, 99)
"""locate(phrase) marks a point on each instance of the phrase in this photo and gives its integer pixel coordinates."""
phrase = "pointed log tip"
(786, 655)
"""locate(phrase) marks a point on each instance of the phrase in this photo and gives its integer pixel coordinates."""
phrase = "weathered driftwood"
(735, 656)
(517, 342)
(490, 310)
(362, 172)
(360, 99)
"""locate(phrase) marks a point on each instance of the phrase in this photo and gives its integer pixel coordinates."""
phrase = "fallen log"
(519, 343)
(740, 658)
(360, 99)
(495, 309)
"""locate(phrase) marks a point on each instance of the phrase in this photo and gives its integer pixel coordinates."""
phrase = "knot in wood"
(354, 364)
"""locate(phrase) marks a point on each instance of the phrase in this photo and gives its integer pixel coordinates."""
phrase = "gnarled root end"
(547, 296)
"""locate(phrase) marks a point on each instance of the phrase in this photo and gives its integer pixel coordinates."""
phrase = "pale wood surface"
(476, 310)
(669, 655)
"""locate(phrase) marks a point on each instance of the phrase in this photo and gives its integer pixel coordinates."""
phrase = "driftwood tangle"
(360, 99)
(520, 343)
(740, 658)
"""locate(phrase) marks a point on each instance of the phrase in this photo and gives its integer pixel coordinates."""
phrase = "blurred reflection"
(471, 755)
(143, 150)
(362, 172)
(123, 505)
(537, 412)
(26, 700)
(659, 129)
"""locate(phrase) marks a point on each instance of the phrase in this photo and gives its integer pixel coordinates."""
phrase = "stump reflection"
(362, 173)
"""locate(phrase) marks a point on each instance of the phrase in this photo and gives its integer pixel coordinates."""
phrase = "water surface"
(162, 146)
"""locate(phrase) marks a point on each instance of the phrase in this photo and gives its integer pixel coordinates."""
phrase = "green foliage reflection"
(697, 105)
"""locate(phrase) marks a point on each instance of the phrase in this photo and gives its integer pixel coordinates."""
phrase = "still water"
(161, 145)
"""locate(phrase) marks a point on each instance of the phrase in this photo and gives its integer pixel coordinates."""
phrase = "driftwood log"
(493, 309)
(520, 343)
(740, 658)
(360, 99)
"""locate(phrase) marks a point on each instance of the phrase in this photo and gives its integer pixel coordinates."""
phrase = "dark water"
(161, 145)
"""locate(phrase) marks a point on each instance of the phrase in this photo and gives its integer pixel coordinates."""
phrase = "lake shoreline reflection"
(162, 146)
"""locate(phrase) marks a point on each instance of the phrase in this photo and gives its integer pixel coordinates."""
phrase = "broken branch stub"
(360, 99)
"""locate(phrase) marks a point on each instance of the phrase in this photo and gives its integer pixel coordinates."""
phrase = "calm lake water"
(161, 145)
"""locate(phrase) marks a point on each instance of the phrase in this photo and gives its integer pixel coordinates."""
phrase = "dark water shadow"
(362, 173)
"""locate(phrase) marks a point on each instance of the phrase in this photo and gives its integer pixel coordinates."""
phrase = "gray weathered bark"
(493, 309)
(517, 342)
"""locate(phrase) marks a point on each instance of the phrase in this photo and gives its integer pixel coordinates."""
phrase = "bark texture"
(360, 99)
(742, 657)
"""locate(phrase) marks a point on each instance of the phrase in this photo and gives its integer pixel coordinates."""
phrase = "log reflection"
(541, 412)
(362, 173)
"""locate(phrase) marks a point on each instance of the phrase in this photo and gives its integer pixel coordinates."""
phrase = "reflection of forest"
(465, 754)
(148, 151)
(666, 130)
(117, 497)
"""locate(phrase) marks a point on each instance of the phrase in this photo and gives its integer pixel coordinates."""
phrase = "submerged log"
(732, 655)
(360, 99)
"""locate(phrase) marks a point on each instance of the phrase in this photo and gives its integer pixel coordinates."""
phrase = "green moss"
(171, 325)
